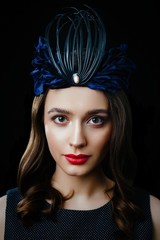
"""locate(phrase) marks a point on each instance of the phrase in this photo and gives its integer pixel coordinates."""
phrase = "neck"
(89, 188)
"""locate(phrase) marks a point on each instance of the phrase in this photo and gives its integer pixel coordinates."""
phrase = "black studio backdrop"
(133, 22)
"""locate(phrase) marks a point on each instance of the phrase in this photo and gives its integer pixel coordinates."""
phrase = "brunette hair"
(37, 167)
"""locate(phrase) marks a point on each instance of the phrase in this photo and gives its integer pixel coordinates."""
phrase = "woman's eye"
(60, 119)
(97, 120)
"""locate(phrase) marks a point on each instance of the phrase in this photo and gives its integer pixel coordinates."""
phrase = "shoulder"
(2, 215)
(12, 196)
(151, 206)
(155, 213)
(143, 199)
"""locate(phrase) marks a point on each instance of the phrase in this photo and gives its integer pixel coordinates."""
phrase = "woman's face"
(78, 128)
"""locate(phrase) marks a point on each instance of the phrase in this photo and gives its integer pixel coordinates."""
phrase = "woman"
(76, 176)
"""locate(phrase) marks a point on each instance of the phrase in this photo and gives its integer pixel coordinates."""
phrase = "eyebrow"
(59, 110)
(91, 112)
(96, 111)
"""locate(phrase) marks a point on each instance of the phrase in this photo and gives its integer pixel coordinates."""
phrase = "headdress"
(73, 52)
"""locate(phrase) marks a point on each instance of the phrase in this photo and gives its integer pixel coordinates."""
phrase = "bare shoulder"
(2, 216)
(155, 212)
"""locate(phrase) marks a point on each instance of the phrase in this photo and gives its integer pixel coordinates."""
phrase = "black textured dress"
(96, 224)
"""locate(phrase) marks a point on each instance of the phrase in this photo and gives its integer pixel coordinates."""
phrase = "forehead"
(76, 98)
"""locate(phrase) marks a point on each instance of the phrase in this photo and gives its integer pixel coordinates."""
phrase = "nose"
(77, 136)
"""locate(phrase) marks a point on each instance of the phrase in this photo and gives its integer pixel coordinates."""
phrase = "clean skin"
(77, 121)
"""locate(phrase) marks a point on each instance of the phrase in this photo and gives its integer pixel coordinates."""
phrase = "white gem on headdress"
(76, 78)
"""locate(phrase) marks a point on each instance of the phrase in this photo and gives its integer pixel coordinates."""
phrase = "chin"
(77, 171)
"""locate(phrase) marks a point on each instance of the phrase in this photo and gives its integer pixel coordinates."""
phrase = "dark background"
(133, 22)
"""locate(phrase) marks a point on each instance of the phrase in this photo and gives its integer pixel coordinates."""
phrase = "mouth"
(77, 159)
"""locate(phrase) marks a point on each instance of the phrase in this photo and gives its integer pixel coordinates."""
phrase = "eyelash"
(57, 117)
(102, 120)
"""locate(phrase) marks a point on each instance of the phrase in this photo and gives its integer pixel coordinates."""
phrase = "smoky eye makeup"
(95, 117)
(98, 120)
(59, 119)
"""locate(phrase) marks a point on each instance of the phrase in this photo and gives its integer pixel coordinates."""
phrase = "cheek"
(54, 139)
(54, 134)
(102, 140)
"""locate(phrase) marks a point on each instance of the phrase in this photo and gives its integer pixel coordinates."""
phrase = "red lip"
(76, 156)
(77, 159)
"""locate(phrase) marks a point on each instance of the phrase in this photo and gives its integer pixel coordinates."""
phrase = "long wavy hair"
(37, 165)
